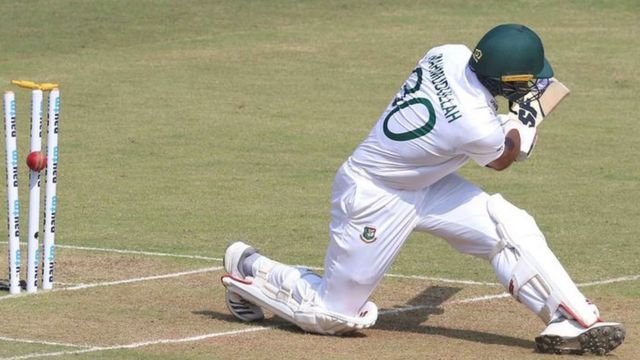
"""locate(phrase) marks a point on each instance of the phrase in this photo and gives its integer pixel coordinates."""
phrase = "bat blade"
(552, 96)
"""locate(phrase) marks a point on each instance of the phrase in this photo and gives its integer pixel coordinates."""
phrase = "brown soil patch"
(193, 305)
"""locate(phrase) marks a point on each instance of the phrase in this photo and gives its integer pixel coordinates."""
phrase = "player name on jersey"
(444, 92)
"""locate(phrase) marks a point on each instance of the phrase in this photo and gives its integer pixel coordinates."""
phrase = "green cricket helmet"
(509, 60)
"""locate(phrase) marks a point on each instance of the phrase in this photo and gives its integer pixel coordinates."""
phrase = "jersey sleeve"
(486, 149)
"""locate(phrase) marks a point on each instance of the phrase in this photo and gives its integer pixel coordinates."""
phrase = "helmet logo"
(477, 54)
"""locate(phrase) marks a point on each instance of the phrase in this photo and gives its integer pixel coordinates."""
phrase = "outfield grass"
(185, 125)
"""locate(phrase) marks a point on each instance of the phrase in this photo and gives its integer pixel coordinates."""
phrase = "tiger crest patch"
(369, 234)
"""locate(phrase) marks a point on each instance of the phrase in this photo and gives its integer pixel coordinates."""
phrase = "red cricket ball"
(36, 161)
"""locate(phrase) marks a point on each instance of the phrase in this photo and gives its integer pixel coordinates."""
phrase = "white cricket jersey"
(441, 117)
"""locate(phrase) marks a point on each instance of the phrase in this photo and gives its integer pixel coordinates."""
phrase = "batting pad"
(534, 265)
(308, 316)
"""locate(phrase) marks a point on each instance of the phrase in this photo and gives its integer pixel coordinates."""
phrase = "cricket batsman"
(403, 178)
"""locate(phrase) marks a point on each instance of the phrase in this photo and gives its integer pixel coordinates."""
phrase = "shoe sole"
(242, 309)
(599, 341)
(237, 306)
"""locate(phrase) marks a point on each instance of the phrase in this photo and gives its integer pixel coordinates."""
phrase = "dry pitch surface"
(172, 306)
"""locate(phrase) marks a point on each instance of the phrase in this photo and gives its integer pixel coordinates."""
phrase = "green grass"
(189, 124)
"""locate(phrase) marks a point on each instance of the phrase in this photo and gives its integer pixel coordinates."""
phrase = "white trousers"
(371, 222)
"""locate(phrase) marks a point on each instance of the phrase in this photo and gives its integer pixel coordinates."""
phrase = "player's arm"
(510, 153)
(519, 142)
(496, 148)
(509, 141)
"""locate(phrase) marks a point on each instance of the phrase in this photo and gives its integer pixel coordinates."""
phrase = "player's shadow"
(4, 285)
(215, 315)
(411, 318)
(274, 321)
(211, 314)
(271, 322)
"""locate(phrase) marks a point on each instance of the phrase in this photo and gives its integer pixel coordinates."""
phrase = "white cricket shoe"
(232, 261)
(233, 257)
(568, 337)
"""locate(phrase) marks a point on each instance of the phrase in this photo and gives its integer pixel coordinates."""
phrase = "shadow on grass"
(274, 321)
(407, 318)
(219, 316)
(4, 285)
(410, 318)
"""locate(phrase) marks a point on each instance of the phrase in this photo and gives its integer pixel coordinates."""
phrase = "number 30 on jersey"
(404, 100)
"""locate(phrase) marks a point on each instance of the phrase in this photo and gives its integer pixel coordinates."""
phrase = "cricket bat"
(532, 113)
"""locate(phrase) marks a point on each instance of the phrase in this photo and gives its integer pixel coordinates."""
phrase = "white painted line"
(480, 298)
(427, 278)
(226, 333)
(417, 277)
(137, 252)
(140, 344)
(52, 343)
(129, 281)
(262, 328)
(67, 284)
(611, 281)
(452, 281)
(151, 253)
(501, 296)
(445, 304)
(116, 282)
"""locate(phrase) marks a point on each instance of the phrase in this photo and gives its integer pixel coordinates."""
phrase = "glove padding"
(530, 113)
(528, 135)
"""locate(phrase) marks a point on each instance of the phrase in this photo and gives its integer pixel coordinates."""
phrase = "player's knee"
(514, 224)
(363, 278)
